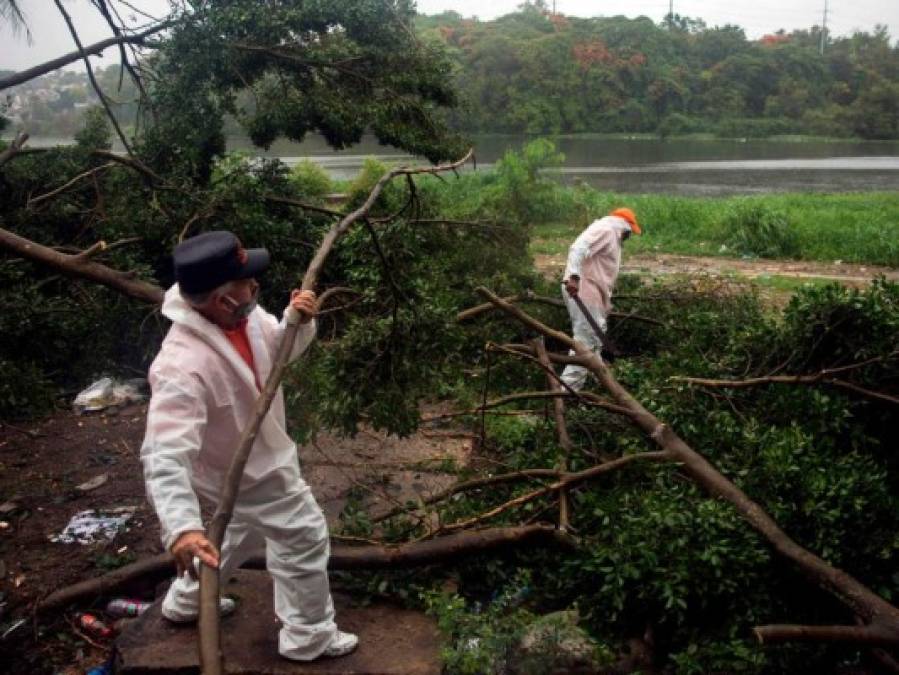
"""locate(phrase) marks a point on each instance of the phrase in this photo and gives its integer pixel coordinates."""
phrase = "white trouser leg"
(182, 602)
(297, 554)
(582, 331)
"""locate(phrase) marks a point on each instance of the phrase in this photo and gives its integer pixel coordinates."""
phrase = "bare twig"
(90, 75)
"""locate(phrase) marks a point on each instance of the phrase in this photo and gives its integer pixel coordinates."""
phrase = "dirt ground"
(43, 463)
(660, 264)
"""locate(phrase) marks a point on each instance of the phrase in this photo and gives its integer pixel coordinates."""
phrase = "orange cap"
(629, 216)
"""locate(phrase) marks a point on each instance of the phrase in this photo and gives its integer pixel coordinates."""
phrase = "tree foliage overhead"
(537, 72)
(339, 68)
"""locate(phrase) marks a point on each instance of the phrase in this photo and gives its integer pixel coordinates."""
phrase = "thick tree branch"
(80, 266)
(210, 651)
(863, 635)
(82, 52)
(435, 551)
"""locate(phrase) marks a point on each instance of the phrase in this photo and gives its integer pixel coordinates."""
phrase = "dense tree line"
(537, 72)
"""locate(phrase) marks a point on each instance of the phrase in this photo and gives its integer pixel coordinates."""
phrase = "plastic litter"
(107, 392)
(93, 483)
(125, 607)
(89, 527)
(102, 669)
(91, 624)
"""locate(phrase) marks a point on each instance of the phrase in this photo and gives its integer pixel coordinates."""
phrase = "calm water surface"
(685, 167)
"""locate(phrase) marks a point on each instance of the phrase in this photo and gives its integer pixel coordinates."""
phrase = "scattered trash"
(125, 607)
(6, 508)
(94, 626)
(89, 527)
(107, 392)
(19, 580)
(122, 550)
(13, 627)
(3, 525)
(93, 483)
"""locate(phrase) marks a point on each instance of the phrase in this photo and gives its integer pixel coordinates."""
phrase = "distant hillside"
(538, 72)
(541, 73)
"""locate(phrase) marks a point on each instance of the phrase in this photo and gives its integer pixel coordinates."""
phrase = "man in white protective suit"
(590, 274)
(205, 381)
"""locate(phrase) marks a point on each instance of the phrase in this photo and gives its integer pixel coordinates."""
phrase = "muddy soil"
(43, 462)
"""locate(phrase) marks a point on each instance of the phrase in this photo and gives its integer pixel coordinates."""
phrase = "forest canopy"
(536, 72)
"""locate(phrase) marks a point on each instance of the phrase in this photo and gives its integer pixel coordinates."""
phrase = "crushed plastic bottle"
(126, 607)
(94, 626)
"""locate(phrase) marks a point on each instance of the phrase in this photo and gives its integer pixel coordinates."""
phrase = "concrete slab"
(391, 640)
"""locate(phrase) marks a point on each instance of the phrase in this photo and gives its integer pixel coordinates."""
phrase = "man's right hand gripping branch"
(190, 545)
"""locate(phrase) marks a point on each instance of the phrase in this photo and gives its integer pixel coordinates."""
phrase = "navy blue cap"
(211, 259)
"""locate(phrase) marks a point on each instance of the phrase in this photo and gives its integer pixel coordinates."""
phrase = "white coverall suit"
(595, 257)
(203, 397)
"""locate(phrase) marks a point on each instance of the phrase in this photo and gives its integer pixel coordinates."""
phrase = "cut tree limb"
(561, 429)
(80, 266)
(209, 637)
(874, 610)
(435, 551)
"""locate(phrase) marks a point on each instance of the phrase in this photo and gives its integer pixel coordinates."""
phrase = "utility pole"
(823, 29)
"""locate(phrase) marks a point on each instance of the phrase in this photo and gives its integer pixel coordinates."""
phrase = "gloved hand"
(572, 285)
(304, 303)
(190, 544)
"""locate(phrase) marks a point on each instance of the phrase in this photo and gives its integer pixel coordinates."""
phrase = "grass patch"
(853, 228)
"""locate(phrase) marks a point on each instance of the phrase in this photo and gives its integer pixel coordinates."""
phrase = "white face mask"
(241, 310)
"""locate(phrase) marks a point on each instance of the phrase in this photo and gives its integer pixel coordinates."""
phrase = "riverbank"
(850, 228)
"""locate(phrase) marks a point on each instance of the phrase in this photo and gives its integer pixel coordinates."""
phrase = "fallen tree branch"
(466, 486)
(435, 551)
(561, 429)
(530, 296)
(209, 636)
(866, 604)
(71, 57)
(821, 377)
(80, 266)
(568, 480)
(874, 634)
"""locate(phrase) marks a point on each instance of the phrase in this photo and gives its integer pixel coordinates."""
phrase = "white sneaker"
(341, 645)
(226, 607)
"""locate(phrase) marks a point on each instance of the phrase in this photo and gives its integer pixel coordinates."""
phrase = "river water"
(678, 166)
(684, 167)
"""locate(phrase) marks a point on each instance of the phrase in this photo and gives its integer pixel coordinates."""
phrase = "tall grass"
(857, 228)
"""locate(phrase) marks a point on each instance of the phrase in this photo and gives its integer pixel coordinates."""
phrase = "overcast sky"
(51, 37)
